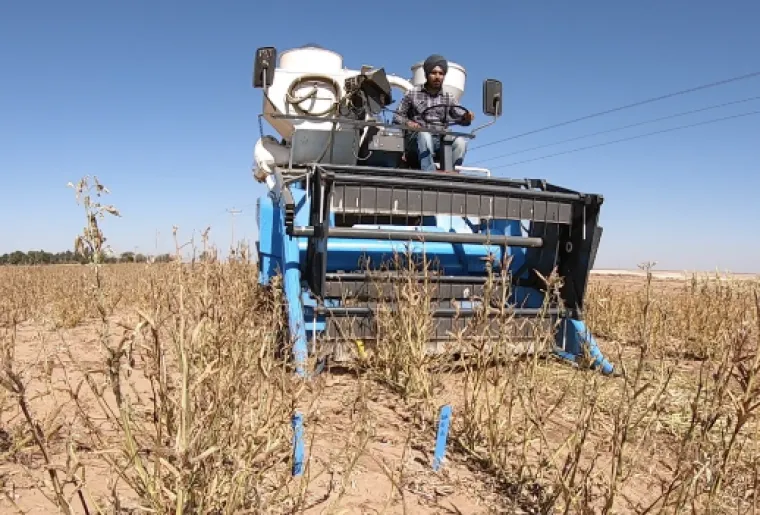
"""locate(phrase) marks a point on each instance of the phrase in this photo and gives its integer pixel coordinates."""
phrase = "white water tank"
(453, 83)
(311, 59)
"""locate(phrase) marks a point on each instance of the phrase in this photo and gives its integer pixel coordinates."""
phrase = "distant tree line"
(41, 257)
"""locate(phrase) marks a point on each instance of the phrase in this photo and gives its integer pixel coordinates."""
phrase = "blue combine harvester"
(344, 198)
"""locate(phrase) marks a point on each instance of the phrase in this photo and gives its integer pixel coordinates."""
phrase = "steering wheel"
(446, 119)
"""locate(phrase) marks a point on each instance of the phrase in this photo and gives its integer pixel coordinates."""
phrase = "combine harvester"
(343, 200)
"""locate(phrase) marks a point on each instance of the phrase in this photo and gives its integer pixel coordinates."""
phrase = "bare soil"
(397, 450)
(396, 456)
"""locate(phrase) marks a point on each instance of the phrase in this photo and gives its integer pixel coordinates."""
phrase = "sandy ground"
(398, 448)
(672, 274)
(399, 452)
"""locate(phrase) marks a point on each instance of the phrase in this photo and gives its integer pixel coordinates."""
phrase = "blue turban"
(433, 61)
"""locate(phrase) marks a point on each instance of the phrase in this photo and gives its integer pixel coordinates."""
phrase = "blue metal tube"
(571, 339)
(296, 322)
(452, 258)
(444, 420)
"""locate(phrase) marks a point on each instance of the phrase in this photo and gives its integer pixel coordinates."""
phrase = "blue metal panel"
(347, 254)
(270, 226)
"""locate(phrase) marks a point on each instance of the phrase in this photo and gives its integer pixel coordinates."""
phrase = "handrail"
(369, 123)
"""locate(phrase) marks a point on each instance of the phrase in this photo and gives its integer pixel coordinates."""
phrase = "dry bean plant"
(166, 388)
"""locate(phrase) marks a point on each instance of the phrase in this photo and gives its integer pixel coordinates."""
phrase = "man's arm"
(401, 113)
(456, 114)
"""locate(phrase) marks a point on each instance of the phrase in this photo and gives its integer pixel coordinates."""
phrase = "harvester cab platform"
(345, 204)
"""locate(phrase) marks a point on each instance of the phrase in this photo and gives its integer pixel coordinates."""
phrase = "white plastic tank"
(453, 83)
(311, 59)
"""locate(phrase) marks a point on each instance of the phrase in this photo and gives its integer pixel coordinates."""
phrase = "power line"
(684, 113)
(628, 139)
(636, 104)
(232, 213)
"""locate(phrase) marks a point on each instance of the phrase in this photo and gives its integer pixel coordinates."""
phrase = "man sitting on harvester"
(410, 113)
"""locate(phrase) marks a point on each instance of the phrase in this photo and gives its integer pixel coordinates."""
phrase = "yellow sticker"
(360, 347)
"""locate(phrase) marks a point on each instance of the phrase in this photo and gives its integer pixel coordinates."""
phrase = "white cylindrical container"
(453, 83)
(268, 153)
(311, 60)
(398, 82)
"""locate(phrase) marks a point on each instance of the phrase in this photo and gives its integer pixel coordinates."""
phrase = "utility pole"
(232, 213)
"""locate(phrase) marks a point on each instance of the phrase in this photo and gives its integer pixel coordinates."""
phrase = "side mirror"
(492, 97)
(263, 67)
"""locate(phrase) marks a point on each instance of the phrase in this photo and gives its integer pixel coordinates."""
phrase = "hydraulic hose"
(296, 102)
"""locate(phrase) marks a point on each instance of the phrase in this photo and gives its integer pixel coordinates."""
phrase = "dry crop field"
(156, 388)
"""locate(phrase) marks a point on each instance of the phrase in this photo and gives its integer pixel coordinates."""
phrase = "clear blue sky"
(156, 99)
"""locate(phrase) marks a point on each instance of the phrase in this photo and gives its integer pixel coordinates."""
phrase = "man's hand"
(468, 117)
(413, 125)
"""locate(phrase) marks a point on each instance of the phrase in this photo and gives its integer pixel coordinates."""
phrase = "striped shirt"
(419, 99)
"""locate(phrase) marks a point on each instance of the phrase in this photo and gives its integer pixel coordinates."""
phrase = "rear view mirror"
(263, 67)
(492, 97)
